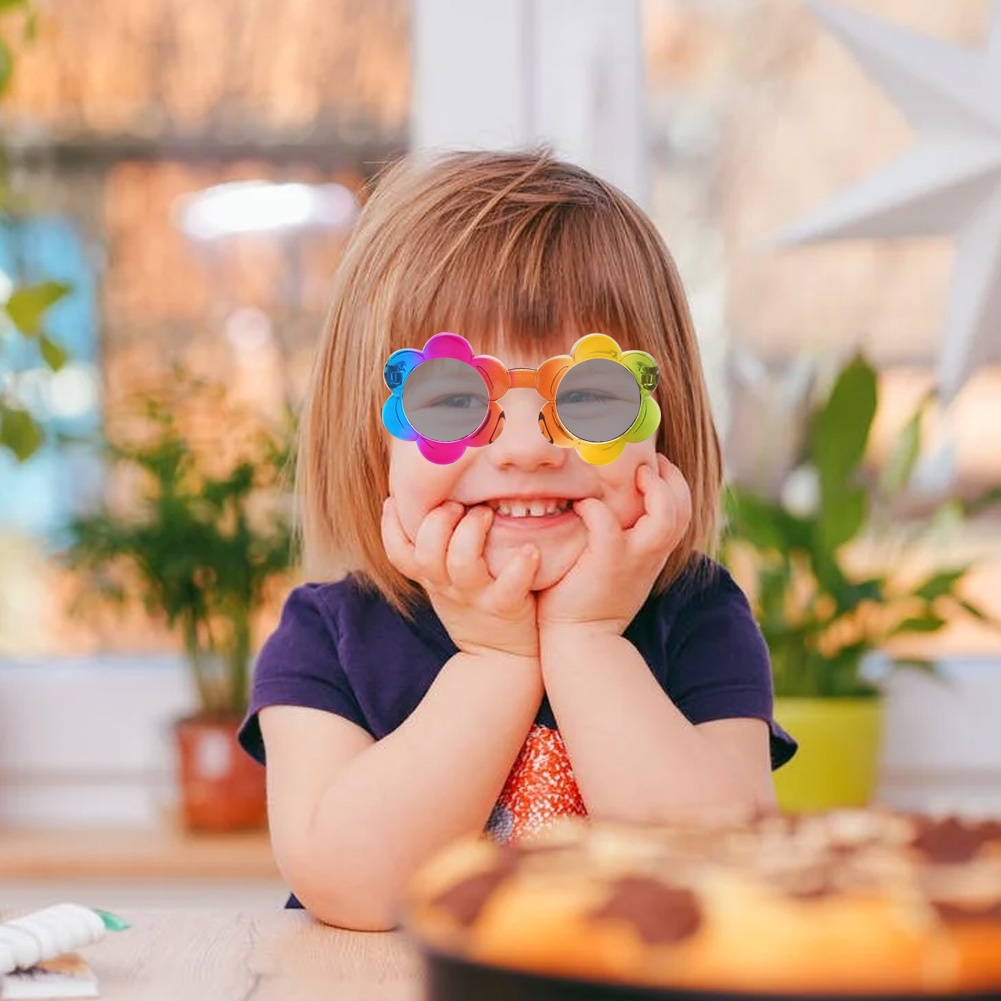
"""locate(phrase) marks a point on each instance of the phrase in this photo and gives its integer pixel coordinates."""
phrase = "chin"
(553, 566)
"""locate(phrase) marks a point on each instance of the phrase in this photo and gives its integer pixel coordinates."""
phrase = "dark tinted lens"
(445, 399)
(598, 400)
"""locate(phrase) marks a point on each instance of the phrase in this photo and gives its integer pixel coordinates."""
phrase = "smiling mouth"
(541, 507)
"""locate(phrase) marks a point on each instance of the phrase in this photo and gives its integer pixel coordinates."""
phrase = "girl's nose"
(521, 443)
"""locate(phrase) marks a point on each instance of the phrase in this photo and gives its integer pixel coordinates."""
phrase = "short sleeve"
(719, 666)
(299, 666)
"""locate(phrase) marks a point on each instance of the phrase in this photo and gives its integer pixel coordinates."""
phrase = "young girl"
(522, 631)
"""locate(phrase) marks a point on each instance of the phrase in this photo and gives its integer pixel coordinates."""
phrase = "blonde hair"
(515, 246)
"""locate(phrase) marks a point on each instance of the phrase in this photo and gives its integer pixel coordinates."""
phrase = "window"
(37, 497)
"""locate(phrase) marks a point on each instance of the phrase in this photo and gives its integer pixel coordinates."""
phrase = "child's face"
(521, 467)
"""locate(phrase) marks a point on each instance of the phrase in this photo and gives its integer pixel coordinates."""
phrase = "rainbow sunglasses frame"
(499, 379)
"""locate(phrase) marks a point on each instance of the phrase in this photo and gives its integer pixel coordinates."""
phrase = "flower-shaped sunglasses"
(445, 398)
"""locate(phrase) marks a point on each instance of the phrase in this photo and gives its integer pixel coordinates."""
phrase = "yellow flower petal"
(595, 346)
(601, 454)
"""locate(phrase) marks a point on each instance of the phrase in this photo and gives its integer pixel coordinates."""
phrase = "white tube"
(46, 934)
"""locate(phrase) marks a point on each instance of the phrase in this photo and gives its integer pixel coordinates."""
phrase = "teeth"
(530, 508)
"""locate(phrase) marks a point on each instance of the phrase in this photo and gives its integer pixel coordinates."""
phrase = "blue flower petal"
(399, 365)
(395, 420)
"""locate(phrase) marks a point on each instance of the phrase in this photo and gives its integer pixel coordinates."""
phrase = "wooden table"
(215, 955)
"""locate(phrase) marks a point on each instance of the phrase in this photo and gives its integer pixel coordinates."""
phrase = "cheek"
(408, 490)
(417, 486)
(410, 512)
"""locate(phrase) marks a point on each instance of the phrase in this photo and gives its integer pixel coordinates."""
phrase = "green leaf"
(54, 355)
(974, 610)
(844, 675)
(19, 432)
(825, 566)
(904, 452)
(978, 613)
(941, 583)
(840, 429)
(919, 664)
(983, 502)
(772, 591)
(6, 65)
(927, 623)
(758, 521)
(848, 595)
(27, 305)
(930, 668)
(842, 515)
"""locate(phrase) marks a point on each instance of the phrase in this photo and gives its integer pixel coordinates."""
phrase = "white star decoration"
(949, 183)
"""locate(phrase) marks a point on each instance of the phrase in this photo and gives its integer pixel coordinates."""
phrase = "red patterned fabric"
(540, 788)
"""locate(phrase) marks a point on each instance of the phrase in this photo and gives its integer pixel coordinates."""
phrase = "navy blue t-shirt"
(342, 648)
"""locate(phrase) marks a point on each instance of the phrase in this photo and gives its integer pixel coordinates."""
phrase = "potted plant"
(825, 566)
(203, 534)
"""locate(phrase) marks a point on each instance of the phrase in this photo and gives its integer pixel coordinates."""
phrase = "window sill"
(167, 854)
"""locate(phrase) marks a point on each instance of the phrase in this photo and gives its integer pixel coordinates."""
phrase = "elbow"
(353, 918)
(352, 913)
(334, 883)
(345, 900)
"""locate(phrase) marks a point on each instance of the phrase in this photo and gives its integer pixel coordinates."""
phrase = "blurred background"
(178, 179)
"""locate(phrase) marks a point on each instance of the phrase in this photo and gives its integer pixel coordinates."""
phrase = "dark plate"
(451, 979)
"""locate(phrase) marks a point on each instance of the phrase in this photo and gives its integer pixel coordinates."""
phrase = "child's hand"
(613, 576)
(481, 613)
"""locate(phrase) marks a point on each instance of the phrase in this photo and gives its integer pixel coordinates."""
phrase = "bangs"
(527, 282)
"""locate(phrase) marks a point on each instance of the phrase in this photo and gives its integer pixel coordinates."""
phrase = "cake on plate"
(842, 903)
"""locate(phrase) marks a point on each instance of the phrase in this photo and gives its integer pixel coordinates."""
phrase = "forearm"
(434, 778)
(635, 755)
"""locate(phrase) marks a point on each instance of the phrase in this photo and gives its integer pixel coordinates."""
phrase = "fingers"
(668, 508)
(514, 582)
(399, 548)
(681, 491)
(431, 542)
(604, 533)
(681, 496)
(448, 547)
(464, 560)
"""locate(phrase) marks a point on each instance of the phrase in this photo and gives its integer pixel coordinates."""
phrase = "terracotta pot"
(222, 787)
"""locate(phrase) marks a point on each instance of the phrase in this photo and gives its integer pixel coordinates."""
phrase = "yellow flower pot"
(838, 757)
